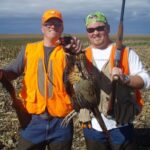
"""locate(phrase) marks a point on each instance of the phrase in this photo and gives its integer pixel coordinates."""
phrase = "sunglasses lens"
(99, 28)
(57, 23)
(90, 30)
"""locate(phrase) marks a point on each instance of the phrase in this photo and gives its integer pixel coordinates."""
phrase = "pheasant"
(81, 85)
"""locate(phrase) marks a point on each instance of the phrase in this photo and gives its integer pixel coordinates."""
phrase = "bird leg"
(67, 119)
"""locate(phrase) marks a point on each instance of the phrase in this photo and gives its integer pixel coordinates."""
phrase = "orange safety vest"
(124, 65)
(45, 89)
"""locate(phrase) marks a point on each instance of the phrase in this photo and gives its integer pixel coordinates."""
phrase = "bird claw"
(67, 119)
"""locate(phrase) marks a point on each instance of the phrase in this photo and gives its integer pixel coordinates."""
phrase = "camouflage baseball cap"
(95, 17)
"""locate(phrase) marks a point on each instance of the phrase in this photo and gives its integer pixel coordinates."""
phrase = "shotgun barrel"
(119, 46)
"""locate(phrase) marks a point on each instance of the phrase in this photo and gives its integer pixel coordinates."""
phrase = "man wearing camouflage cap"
(132, 77)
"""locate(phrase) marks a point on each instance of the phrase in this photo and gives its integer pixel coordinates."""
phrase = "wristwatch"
(126, 79)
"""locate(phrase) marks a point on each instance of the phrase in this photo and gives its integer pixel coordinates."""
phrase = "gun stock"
(119, 41)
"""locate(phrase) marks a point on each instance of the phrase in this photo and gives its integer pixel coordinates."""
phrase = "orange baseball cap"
(52, 13)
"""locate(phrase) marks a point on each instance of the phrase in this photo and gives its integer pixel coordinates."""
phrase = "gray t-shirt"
(16, 67)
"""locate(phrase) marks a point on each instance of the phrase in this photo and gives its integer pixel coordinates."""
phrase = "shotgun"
(23, 116)
(119, 46)
(119, 41)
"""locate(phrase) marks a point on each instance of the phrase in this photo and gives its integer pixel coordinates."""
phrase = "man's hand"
(72, 45)
(117, 74)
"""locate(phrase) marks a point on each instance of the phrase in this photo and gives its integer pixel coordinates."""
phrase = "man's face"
(98, 34)
(52, 29)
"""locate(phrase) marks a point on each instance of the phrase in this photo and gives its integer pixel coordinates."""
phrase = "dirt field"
(9, 47)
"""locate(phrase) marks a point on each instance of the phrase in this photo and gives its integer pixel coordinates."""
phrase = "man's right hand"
(72, 45)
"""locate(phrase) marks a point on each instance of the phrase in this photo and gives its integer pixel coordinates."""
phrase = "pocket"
(104, 103)
(59, 104)
(64, 97)
(31, 96)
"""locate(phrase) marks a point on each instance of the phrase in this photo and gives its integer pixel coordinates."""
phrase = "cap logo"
(92, 16)
(53, 12)
(95, 17)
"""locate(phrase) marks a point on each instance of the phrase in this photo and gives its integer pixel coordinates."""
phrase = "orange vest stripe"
(123, 61)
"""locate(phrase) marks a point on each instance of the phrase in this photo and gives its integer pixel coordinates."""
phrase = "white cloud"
(31, 8)
(75, 10)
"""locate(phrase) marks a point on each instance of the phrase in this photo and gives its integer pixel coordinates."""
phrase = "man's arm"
(16, 67)
(138, 77)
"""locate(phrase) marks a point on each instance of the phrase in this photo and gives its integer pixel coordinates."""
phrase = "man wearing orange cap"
(43, 93)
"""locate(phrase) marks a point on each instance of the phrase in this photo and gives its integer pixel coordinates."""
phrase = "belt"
(46, 116)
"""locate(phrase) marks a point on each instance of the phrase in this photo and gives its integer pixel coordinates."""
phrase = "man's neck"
(49, 43)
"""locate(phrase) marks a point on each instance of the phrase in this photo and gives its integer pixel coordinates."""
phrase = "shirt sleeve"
(137, 68)
(16, 67)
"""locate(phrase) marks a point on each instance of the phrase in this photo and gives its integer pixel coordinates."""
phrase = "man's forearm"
(10, 75)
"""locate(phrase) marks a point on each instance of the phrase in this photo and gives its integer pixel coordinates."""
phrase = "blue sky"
(24, 16)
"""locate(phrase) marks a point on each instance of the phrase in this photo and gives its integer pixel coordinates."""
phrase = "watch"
(126, 79)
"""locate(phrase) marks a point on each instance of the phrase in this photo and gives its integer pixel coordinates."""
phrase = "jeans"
(42, 130)
(118, 135)
(119, 139)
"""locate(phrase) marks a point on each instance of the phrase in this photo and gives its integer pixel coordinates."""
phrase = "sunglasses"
(55, 23)
(99, 28)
